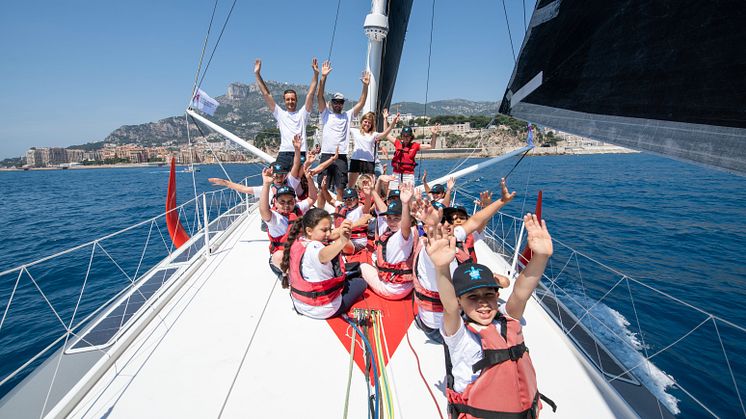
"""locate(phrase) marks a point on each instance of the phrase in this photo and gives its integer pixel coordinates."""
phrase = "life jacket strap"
(423, 297)
(317, 294)
(531, 413)
(498, 356)
(394, 270)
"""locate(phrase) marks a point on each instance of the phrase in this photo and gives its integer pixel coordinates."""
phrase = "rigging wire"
(427, 80)
(524, 17)
(204, 49)
(213, 153)
(334, 31)
(215, 47)
(510, 36)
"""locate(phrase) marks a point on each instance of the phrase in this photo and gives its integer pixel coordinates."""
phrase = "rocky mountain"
(242, 110)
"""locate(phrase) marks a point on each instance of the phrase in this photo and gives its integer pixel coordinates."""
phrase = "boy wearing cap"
(279, 179)
(439, 192)
(391, 275)
(335, 134)
(281, 214)
(290, 121)
(490, 371)
(429, 308)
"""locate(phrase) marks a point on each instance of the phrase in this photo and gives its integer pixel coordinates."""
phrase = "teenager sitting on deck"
(316, 272)
(488, 368)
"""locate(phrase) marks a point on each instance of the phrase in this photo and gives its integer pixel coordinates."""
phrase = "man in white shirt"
(290, 121)
(336, 132)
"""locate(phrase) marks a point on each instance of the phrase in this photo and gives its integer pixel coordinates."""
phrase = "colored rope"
(349, 375)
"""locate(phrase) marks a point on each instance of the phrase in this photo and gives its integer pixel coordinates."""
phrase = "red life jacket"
(465, 252)
(278, 243)
(507, 382)
(424, 298)
(359, 232)
(403, 160)
(397, 273)
(314, 293)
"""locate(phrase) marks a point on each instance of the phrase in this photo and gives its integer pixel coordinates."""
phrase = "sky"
(74, 71)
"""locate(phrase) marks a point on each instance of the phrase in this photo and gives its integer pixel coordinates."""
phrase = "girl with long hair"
(366, 146)
(315, 271)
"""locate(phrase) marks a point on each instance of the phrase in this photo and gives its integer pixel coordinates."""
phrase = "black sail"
(398, 13)
(666, 76)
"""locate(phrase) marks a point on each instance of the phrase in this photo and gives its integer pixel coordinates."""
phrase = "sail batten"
(663, 76)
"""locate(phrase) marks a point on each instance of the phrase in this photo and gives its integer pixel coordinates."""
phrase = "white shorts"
(401, 178)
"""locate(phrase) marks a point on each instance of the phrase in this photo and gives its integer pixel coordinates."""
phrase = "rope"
(516, 164)
(202, 55)
(510, 36)
(424, 380)
(349, 375)
(208, 146)
(382, 365)
(524, 17)
(393, 382)
(334, 31)
(370, 350)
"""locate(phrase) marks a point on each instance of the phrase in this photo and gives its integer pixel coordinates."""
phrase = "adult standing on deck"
(336, 132)
(290, 121)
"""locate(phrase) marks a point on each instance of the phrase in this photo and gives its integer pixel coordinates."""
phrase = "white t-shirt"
(336, 131)
(291, 123)
(465, 350)
(278, 225)
(397, 248)
(364, 145)
(315, 271)
(295, 184)
(426, 275)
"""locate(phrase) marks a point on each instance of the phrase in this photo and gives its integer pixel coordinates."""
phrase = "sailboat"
(208, 332)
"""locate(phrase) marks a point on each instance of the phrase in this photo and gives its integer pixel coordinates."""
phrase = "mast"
(376, 28)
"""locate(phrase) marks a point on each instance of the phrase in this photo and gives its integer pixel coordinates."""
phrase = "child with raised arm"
(316, 271)
(490, 372)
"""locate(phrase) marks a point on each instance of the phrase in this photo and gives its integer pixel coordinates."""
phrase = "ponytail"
(295, 230)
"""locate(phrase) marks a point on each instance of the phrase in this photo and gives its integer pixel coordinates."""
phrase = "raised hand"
(406, 192)
(326, 68)
(503, 281)
(297, 141)
(257, 66)
(365, 78)
(440, 247)
(336, 153)
(506, 196)
(323, 185)
(267, 175)
(435, 129)
(218, 182)
(345, 229)
(539, 240)
(385, 113)
(386, 178)
(485, 198)
(315, 65)
(451, 182)
(424, 176)
(396, 119)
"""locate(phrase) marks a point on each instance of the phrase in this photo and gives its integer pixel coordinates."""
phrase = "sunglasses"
(338, 102)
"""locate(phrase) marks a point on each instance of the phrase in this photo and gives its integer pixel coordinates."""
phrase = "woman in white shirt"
(366, 145)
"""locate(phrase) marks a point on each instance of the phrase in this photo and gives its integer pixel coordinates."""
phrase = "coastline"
(435, 154)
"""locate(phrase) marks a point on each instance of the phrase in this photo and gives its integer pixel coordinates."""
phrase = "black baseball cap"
(349, 193)
(439, 188)
(448, 212)
(394, 194)
(407, 131)
(470, 276)
(285, 190)
(279, 169)
(394, 208)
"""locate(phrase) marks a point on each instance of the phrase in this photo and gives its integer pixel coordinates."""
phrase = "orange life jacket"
(424, 298)
(465, 252)
(506, 386)
(278, 243)
(403, 160)
(314, 293)
(359, 232)
(397, 273)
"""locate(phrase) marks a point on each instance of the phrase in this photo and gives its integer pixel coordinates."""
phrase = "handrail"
(569, 287)
(218, 212)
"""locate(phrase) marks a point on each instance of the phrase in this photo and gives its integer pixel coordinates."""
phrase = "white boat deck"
(229, 344)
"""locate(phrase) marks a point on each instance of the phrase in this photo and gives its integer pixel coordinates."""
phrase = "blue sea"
(677, 230)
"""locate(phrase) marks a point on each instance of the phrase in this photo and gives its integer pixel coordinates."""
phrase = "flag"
(530, 135)
(204, 103)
